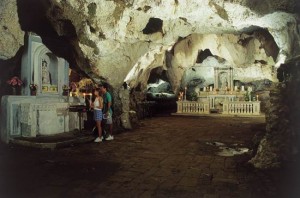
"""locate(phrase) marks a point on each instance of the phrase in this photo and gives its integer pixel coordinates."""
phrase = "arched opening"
(159, 90)
(202, 55)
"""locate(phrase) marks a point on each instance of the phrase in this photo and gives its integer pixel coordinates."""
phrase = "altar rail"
(229, 107)
(193, 107)
(241, 108)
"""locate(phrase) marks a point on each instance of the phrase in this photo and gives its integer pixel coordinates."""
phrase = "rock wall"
(282, 139)
(11, 35)
(249, 55)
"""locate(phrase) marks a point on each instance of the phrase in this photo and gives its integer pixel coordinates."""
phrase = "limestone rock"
(244, 53)
(265, 157)
(133, 37)
(281, 141)
(11, 35)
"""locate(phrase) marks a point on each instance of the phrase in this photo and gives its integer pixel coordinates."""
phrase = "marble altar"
(223, 97)
(41, 67)
(46, 113)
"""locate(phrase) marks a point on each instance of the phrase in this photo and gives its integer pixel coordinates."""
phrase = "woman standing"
(97, 105)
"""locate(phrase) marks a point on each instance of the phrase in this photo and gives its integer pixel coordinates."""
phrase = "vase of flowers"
(65, 90)
(33, 89)
(15, 83)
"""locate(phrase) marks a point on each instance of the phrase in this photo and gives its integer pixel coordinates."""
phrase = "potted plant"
(15, 83)
(194, 96)
(33, 88)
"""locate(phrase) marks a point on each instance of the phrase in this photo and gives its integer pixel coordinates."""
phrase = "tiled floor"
(165, 157)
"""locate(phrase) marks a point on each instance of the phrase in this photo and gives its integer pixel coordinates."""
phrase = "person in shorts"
(107, 111)
(97, 105)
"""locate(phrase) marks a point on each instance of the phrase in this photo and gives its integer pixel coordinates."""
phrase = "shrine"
(221, 98)
(43, 108)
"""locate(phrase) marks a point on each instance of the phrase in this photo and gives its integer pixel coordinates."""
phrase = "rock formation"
(133, 36)
(281, 141)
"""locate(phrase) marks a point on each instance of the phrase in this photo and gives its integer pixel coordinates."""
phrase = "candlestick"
(243, 88)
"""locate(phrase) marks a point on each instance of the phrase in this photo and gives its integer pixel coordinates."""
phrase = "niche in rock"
(202, 55)
(157, 73)
(154, 25)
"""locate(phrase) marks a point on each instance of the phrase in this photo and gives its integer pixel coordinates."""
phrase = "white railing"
(229, 107)
(192, 107)
(241, 108)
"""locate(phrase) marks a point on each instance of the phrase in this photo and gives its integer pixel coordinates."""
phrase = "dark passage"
(154, 25)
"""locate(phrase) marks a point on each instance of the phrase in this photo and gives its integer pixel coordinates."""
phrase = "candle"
(204, 89)
(243, 88)
(210, 88)
(257, 97)
(91, 96)
(235, 88)
(84, 96)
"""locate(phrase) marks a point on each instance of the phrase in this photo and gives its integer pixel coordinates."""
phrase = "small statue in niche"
(46, 76)
(223, 81)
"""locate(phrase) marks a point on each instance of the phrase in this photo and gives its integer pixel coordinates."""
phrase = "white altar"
(222, 98)
(46, 112)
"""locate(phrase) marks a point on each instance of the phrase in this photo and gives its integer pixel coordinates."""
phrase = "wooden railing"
(241, 108)
(192, 107)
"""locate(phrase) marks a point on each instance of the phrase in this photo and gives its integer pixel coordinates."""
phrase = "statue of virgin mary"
(46, 76)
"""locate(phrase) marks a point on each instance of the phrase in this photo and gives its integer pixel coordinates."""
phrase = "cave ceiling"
(117, 41)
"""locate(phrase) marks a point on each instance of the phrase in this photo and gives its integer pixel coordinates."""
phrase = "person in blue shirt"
(107, 111)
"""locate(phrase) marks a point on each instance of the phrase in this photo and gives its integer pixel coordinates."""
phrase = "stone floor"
(165, 157)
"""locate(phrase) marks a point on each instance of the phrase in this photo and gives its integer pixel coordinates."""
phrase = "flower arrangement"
(73, 86)
(85, 85)
(15, 82)
(194, 96)
(33, 87)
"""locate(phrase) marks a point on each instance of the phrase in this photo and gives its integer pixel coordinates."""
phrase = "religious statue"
(223, 81)
(46, 76)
